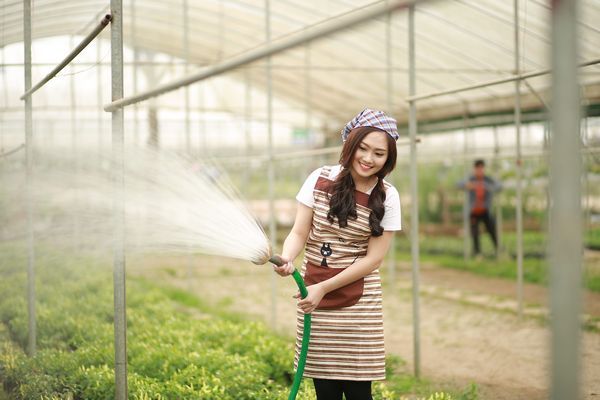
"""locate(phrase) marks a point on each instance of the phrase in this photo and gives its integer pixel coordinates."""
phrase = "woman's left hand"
(312, 300)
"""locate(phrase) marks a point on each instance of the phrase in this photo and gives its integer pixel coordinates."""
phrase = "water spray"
(171, 203)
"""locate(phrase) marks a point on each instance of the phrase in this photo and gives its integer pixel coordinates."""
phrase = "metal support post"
(390, 110)
(565, 242)
(186, 57)
(134, 69)
(188, 146)
(247, 128)
(76, 238)
(414, 229)
(270, 165)
(120, 320)
(466, 205)
(99, 94)
(587, 208)
(202, 126)
(307, 101)
(32, 329)
(519, 165)
(496, 164)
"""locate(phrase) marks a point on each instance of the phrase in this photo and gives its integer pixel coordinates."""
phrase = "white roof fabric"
(458, 43)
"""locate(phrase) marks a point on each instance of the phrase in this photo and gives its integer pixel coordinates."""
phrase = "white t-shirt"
(392, 218)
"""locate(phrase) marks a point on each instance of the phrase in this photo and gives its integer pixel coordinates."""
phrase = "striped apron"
(346, 341)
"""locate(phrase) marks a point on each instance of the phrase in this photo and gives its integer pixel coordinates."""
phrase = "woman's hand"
(312, 300)
(286, 269)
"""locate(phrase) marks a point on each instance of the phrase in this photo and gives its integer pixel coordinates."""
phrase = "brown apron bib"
(331, 249)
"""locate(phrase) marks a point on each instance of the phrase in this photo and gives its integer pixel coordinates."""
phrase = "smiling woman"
(371, 155)
(345, 220)
(368, 155)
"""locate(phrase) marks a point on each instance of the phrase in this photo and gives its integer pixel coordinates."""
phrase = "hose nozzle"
(277, 260)
(268, 256)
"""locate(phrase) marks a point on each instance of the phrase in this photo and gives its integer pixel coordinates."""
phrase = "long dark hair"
(342, 203)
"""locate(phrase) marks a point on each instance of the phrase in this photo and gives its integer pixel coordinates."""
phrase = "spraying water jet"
(171, 204)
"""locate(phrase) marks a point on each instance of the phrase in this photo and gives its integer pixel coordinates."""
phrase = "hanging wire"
(84, 29)
(93, 66)
(96, 40)
(9, 152)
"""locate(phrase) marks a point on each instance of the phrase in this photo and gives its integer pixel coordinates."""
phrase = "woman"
(345, 221)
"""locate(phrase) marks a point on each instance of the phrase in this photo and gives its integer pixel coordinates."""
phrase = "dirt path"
(462, 341)
(533, 295)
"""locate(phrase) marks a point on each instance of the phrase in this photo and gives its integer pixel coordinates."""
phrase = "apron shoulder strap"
(325, 172)
(324, 181)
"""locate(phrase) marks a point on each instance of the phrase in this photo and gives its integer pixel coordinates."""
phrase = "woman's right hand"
(286, 269)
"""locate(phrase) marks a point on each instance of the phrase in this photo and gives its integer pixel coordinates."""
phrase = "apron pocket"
(345, 296)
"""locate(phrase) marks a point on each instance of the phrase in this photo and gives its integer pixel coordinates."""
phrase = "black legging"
(329, 389)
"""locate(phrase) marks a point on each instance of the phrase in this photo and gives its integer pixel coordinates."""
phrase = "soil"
(469, 330)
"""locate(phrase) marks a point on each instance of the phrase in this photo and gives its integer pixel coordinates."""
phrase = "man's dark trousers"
(490, 226)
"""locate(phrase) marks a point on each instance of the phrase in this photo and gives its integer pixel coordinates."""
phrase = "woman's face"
(371, 154)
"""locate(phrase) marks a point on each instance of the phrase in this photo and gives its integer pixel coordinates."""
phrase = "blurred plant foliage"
(447, 251)
(178, 348)
(440, 201)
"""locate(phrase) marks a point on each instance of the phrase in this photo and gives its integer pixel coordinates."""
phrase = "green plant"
(178, 347)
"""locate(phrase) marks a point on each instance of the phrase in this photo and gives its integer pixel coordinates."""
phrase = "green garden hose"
(305, 332)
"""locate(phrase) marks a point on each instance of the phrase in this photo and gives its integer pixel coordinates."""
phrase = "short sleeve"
(305, 195)
(392, 219)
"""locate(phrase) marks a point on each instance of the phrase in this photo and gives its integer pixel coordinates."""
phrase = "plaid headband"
(374, 118)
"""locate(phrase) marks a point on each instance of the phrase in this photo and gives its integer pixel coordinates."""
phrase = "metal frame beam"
(495, 82)
(266, 51)
(82, 45)
(11, 151)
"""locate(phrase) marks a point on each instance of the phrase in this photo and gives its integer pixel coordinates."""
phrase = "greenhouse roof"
(458, 43)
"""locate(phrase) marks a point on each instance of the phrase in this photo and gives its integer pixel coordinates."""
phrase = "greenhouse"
(193, 203)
